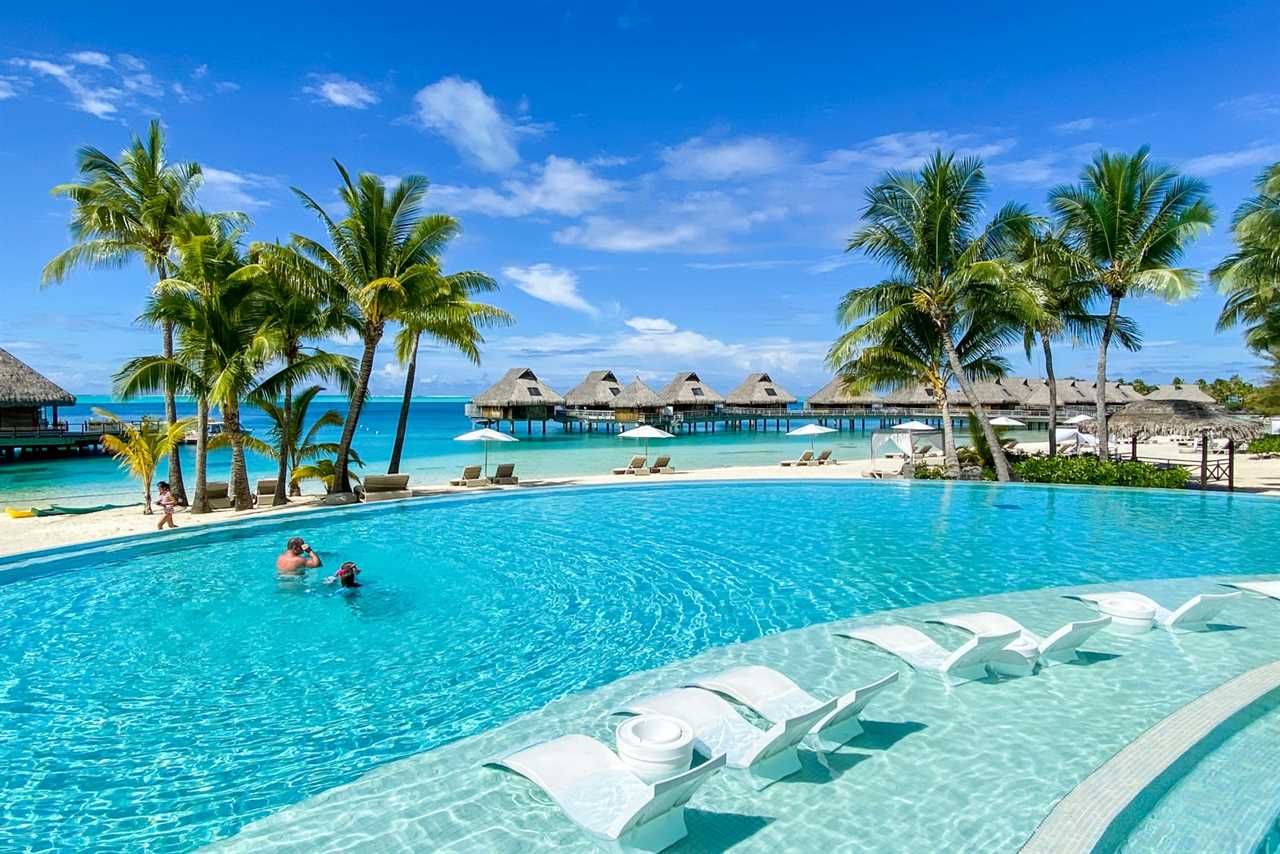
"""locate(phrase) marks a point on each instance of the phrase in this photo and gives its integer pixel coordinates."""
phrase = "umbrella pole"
(486, 459)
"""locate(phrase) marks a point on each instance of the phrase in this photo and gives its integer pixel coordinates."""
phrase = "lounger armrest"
(1198, 610)
(978, 650)
(790, 732)
(1071, 636)
(856, 700)
(671, 793)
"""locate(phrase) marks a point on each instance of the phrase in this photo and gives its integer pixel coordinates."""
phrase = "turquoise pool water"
(169, 692)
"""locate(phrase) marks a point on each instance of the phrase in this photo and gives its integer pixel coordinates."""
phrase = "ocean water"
(430, 455)
(164, 693)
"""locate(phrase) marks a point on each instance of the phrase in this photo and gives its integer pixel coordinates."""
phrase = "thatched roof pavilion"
(598, 391)
(636, 404)
(1190, 392)
(991, 394)
(1069, 394)
(518, 396)
(687, 391)
(834, 395)
(912, 395)
(759, 391)
(1146, 418)
(1021, 387)
(24, 392)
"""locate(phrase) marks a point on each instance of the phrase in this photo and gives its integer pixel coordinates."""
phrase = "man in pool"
(297, 558)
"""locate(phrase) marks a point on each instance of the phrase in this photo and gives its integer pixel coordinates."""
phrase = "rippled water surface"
(172, 692)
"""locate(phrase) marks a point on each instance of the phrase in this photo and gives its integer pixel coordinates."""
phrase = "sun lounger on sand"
(802, 461)
(266, 492)
(636, 466)
(766, 757)
(662, 465)
(774, 697)
(506, 474)
(925, 655)
(217, 491)
(1191, 616)
(822, 459)
(1262, 588)
(385, 487)
(470, 477)
(1028, 649)
(600, 794)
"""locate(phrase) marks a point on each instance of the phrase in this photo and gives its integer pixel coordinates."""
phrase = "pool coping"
(1080, 821)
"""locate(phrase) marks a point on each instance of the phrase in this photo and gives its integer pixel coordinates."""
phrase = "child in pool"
(346, 575)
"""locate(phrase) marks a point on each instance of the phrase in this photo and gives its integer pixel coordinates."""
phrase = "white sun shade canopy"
(485, 435)
(915, 427)
(645, 431)
(1006, 421)
(811, 430)
(1078, 419)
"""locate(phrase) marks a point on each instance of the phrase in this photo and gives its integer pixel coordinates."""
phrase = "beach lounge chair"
(923, 653)
(1028, 648)
(1262, 588)
(662, 465)
(600, 794)
(470, 477)
(765, 756)
(822, 459)
(802, 461)
(774, 697)
(385, 487)
(636, 465)
(266, 492)
(217, 491)
(506, 474)
(1192, 615)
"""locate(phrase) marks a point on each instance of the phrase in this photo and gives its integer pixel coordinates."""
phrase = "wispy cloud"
(656, 325)
(100, 101)
(700, 158)
(909, 150)
(1257, 105)
(341, 91)
(1077, 125)
(465, 115)
(555, 285)
(1225, 161)
(613, 235)
(226, 190)
(90, 57)
(103, 85)
(561, 185)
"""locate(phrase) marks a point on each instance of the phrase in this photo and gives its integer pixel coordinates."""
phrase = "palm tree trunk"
(1100, 395)
(342, 478)
(171, 416)
(993, 441)
(948, 433)
(286, 449)
(239, 473)
(201, 502)
(146, 496)
(1053, 395)
(394, 467)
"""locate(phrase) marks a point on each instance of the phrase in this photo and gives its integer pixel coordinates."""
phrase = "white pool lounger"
(1262, 588)
(601, 795)
(766, 756)
(775, 698)
(923, 653)
(1192, 615)
(1028, 648)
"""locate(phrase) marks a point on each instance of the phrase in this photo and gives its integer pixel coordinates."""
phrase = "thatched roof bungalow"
(991, 394)
(637, 404)
(834, 396)
(918, 395)
(1069, 394)
(597, 392)
(518, 396)
(759, 391)
(688, 392)
(1021, 387)
(24, 393)
(1190, 392)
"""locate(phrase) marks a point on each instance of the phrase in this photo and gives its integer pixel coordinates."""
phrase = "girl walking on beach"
(167, 502)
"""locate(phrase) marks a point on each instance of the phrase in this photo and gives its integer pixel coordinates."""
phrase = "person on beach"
(297, 558)
(167, 501)
(346, 575)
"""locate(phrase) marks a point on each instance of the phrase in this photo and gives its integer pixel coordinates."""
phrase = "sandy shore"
(22, 535)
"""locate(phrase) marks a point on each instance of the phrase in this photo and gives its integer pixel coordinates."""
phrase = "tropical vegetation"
(140, 447)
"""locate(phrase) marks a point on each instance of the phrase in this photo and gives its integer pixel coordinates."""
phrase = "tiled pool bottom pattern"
(970, 768)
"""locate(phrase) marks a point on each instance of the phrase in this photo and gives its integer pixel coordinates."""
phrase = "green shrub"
(924, 472)
(1098, 472)
(1265, 445)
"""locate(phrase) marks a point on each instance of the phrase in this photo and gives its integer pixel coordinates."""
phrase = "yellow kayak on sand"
(15, 513)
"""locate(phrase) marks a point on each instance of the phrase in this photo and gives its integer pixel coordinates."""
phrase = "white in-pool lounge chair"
(923, 653)
(775, 698)
(1192, 615)
(1262, 588)
(600, 794)
(1028, 649)
(718, 728)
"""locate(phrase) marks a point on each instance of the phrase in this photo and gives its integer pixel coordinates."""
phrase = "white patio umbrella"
(646, 432)
(915, 427)
(810, 430)
(1006, 421)
(1078, 419)
(485, 435)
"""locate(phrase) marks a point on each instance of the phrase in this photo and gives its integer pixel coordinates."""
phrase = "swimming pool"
(172, 691)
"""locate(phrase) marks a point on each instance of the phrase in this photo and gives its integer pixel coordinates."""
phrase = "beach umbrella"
(645, 432)
(1006, 421)
(810, 430)
(1078, 419)
(915, 427)
(485, 435)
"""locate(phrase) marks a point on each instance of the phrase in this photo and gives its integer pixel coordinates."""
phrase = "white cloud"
(199, 72)
(555, 285)
(831, 264)
(909, 150)
(1044, 169)
(613, 235)
(1225, 161)
(651, 324)
(1254, 106)
(7, 89)
(100, 101)
(1077, 125)
(393, 371)
(461, 112)
(700, 158)
(763, 264)
(90, 57)
(225, 190)
(342, 92)
(561, 185)
(701, 222)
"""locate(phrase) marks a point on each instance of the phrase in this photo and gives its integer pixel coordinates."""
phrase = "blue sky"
(658, 187)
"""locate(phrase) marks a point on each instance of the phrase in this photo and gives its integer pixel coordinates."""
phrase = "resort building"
(991, 394)
(518, 396)
(638, 404)
(687, 393)
(29, 410)
(916, 396)
(759, 393)
(834, 397)
(594, 396)
(1069, 395)
(1188, 391)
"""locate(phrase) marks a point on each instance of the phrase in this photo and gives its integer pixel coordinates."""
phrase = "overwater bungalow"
(518, 396)
(29, 405)
(992, 395)
(595, 395)
(637, 404)
(758, 392)
(687, 393)
(834, 397)
(915, 397)
(1021, 387)
(1186, 391)
(1069, 395)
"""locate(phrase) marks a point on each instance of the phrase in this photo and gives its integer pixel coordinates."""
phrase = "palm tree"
(126, 210)
(140, 448)
(1132, 220)
(1250, 276)
(925, 228)
(382, 255)
(448, 316)
(1056, 280)
(291, 446)
(326, 472)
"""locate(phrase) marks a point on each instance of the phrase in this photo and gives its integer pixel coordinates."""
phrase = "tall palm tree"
(447, 315)
(140, 448)
(1132, 220)
(925, 227)
(382, 256)
(1250, 276)
(128, 210)
(293, 442)
(1057, 282)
